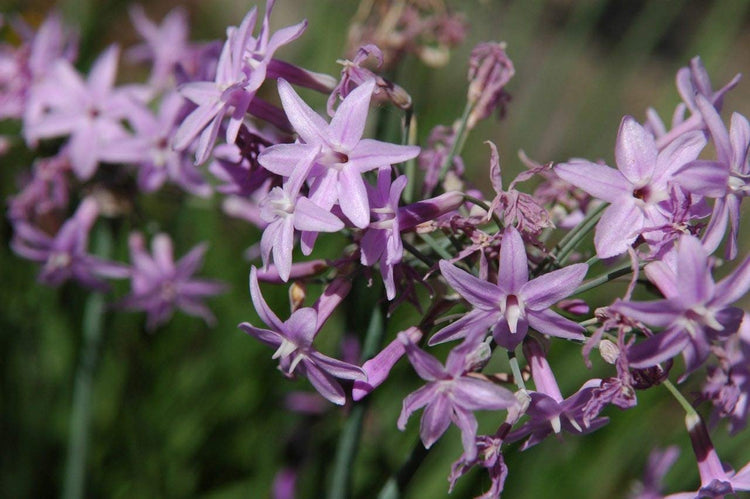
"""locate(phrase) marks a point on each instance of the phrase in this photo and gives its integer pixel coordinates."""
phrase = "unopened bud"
(297, 294)
(609, 351)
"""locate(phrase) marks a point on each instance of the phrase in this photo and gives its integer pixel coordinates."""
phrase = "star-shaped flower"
(293, 339)
(344, 155)
(159, 284)
(450, 395)
(638, 190)
(515, 303)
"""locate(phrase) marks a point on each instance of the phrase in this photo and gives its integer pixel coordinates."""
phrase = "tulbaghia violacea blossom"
(343, 154)
(160, 285)
(695, 311)
(489, 456)
(165, 46)
(66, 256)
(515, 303)
(284, 210)
(240, 72)
(293, 339)
(728, 384)
(22, 66)
(639, 190)
(90, 111)
(150, 149)
(490, 69)
(726, 179)
(450, 395)
(382, 239)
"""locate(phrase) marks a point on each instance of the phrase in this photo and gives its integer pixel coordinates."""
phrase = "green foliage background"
(188, 411)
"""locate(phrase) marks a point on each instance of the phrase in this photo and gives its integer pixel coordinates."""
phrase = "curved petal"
(481, 294)
(435, 420)
(600, 181)
(635, 151)
(261, 307)
(352, 197)
(326, 384)
(475, 395)
(548, 289)
(513, 270)
(306, 122)
(617, 229)
(658, 348)
(348, 124)
(554, 324)
(657, 313)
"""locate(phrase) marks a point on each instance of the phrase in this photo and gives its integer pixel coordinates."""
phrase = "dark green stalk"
(80, 418)
(606, 277)
(459, 141)
(398, 482)
(346, 451)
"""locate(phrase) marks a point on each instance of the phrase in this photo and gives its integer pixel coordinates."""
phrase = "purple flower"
(450, 395)
(638, 190)
(150, 149)
(725, 179)
(285, 210)
(490, 69)
(343, 155)
(240, 72)
(66, 255)
(159, 285)
(728, 385)
(488, 456)
(293, 339)
(695, 311)
(89, 111)
(165, 45)
(354, 75)
(382, 238)
(515, 303)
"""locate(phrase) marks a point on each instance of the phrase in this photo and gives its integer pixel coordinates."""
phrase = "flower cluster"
(200, 124)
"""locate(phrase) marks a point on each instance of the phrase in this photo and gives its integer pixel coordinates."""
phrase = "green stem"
(80, 418)
(410, 138)
(432, 243)
(459, 141)
(485, 207)
(689, 410)
(569, 243)
(397, 483)
(605, 278)
(346, 451)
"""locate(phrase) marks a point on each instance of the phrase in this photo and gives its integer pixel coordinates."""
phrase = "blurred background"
(188, 411)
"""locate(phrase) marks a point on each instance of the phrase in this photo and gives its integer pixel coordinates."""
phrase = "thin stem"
(397, 483)
(410, 138)
(485, 207)
(93, 325)
(432, 243)
(459, 141)
(346, 451)
(418, 254)
(578, 233)
(605, 278)
(689, 410)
